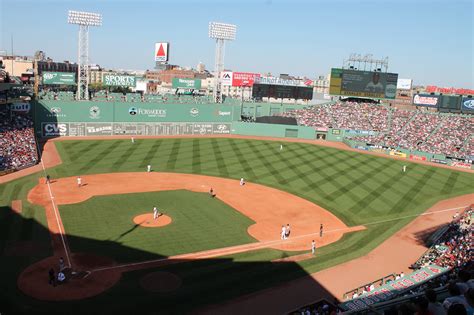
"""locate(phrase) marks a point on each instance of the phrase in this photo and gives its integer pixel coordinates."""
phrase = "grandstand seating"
(17, 142)
(451, 250)
(432, 132)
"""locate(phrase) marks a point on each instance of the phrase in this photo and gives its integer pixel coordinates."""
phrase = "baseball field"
(210, 250)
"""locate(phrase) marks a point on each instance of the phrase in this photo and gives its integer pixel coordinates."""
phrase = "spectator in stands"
(457, 309)
(455, 297)
(463, 283)
(17, 141)
(434, 306)
(422, 305)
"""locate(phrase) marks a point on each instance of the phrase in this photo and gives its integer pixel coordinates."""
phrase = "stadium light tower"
(220, 32)
(84, 20)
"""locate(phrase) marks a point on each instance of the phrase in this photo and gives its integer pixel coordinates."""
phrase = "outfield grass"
(357, 188)
(199, 223)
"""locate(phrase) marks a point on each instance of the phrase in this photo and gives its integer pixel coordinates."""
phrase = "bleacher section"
(436, 133)
(17, 142)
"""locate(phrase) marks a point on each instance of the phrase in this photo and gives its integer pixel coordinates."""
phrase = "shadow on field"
(429, 236)
(205, 282)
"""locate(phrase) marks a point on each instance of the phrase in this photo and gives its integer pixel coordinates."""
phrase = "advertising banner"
(20, 107)
(161, 52)
(390, 290)
(438, 161)
(417, 157)
(226, 78)
(426, 100)
(244, 78)
(119, 80)
(186, 83)
(451, 90)
(363, 83)
(278, 81)
(62, 78)
(54, 129)
(404, 84)
(461, 165)
(396, 153)
(467, 104)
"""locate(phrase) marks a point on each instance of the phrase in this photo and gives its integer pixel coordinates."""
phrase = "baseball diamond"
(361, 199)
(298, 177)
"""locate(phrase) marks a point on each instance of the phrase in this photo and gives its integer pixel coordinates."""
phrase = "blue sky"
(428, 41)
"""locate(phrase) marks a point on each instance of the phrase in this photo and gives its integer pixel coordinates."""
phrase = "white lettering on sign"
(427, 100)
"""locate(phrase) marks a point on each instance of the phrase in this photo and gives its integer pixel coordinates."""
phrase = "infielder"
(313, 247)
(148, 168)
(242, 182)
(283, 232)
(79, 181)
(155, 213)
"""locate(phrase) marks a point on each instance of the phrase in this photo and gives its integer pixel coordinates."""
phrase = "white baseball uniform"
(79, 181)
(155, 213)
(148, 168)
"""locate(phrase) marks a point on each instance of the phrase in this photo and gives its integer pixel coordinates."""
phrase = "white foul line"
(260, 245)
(61, 232)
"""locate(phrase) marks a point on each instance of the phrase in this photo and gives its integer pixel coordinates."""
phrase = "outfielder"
(148, 168)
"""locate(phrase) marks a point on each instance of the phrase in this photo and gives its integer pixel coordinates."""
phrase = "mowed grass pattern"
(199, 223)
(358, 188)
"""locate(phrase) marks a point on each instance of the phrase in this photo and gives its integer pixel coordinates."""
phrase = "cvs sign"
(54, 129)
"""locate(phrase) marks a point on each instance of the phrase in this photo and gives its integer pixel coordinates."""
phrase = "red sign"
(417, 157)
(244, 78)
(461, 165)
(437, 89)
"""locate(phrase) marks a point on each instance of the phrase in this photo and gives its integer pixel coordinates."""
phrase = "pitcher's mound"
(160, 282)
(146, 220)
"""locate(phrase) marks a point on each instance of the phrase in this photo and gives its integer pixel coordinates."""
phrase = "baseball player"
(148, 168)
(283, 232)
(281, 147)
(321, 230)
(133, 140)
(313, 247)
(242, 182)
(79, 181)
(404, 168)
(155, 213)
(287, 234)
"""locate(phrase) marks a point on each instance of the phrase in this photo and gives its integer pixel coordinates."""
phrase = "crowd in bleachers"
(453, 250)
(17, 142)
(432, 132)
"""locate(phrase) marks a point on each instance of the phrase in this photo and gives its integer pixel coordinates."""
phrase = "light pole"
(84, 20)
(220, 32)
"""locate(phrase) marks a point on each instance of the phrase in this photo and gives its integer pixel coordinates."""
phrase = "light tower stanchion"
(220, 32)
(84, 20)
(83, 64)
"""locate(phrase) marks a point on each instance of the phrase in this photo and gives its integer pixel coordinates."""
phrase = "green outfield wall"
(71, 118)
(271, 130)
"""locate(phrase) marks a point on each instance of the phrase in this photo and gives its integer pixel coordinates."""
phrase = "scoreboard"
(281, 91)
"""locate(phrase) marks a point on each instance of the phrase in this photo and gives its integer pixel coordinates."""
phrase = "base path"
(270, 208)
(393, 256)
